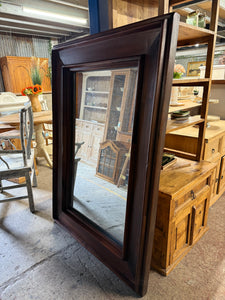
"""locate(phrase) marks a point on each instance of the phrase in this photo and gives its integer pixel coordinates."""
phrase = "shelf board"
(187, 104)
(218, 81)
(190, 35)
(174, 125)
(191, 82)
(178, 2)
(96, 107)
(97, 92)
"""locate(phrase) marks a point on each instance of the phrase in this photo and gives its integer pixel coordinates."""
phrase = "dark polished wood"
(150, 46)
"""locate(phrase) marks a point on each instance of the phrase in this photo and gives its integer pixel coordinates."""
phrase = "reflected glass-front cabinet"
(121, 113)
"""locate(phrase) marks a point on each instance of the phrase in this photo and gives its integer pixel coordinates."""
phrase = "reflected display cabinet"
(111, 159)
(120, 110)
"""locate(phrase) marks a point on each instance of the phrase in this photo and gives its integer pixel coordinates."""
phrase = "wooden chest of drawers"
(185, 140)
(182, 213)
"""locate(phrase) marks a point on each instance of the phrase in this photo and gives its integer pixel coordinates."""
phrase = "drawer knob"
(193, 195)
(213, 150)
(222, 177)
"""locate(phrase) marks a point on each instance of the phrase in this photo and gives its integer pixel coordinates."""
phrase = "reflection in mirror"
(103, 133)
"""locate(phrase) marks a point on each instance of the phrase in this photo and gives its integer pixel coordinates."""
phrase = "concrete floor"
(40, 260)
(91, 193)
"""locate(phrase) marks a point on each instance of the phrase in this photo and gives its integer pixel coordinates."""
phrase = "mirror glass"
(103, 132)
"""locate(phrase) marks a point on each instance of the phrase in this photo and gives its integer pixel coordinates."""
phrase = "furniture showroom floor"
(40, 260)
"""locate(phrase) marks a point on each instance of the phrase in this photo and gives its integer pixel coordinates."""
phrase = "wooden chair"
(17, 163)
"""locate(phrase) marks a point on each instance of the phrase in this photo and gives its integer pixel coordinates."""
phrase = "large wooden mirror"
(110, 101)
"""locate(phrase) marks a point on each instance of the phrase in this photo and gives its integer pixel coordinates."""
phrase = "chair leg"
(34, 177)
(29, 192)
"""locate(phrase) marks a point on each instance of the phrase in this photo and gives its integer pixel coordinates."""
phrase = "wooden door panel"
(180, 234)
(94, 148)
(199, 214)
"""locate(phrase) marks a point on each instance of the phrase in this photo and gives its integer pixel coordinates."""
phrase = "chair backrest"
(26, 130)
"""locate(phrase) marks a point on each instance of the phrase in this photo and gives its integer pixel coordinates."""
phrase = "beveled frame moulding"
(150, 45)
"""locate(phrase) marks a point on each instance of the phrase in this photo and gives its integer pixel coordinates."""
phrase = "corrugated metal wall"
(13, 45)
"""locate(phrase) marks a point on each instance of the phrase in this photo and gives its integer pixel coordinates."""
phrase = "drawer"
(191, 195)
(78, 123)
(87, 126)
(98, 129)
(211, 147)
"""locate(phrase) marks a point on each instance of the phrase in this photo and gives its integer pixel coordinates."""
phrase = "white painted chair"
(20, 163)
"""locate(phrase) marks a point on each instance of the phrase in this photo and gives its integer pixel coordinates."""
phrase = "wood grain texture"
(136, 46)
(176, 124)
(185, 140)
(16, 73)
(131, 11)
(39, 118)
(184, 195)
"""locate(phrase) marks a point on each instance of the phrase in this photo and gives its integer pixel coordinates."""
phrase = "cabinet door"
(215, 177)
(221, 184)
(83, 134)
(94, 147)
(199, 215)
(180, 234)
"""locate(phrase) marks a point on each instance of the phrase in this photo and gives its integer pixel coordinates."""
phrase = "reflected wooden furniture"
(92, 135)
(95, 94)
(112, 155)
(119, 118)
(185, 140)
(184, 195)
(39, 118)
(16, 73)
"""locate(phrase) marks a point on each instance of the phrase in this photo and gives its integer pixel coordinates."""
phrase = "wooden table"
(39, 119)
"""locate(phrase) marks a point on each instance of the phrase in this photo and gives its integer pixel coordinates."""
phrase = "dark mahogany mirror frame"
(149, 45)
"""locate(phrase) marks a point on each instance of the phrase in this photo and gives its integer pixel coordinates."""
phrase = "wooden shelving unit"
(187, 187)
(188, 36)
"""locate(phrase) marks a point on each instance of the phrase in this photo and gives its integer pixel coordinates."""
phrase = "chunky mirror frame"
(149, 45)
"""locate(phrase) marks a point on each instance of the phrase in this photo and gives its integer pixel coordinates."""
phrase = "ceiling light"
(55, 16)
(196, 45)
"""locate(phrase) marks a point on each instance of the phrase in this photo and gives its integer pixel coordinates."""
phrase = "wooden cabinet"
(186, 140)
(182, 213)
(16, 73)
(92, 135)
(95, 94)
